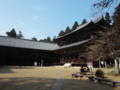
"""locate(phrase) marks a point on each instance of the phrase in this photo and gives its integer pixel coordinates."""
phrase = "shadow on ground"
(8, 69)
(19, 67)
(5, 70)
(31, 83)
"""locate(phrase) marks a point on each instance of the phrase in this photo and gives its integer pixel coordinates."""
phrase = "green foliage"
(34, 39)
(20, 35)
(67, 30)
(12, 33)
(61, 33)
(48, 39)
(53, 40)
(84, 21)
(99, 73)
(75, 25)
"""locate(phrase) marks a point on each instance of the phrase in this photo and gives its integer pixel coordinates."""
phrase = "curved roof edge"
(72, 45)
(82, 26)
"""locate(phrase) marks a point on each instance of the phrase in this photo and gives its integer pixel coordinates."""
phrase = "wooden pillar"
(99, 64)
(106, 66)
(119, 63)
(115, 63)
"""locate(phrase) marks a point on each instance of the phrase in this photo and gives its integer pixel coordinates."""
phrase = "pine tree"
(67, 30)
(84, 21)
(34, 39)
(20, 35)
(12, 33)
(54, 39)
(61, 33)
(107, 19)
(75, 25)
(48, 39)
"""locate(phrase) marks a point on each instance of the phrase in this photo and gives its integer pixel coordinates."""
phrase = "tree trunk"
(117, 65)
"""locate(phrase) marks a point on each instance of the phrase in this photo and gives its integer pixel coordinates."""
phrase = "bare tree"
(103, 5)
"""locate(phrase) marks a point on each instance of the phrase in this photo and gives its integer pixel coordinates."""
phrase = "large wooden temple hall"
(25, 52)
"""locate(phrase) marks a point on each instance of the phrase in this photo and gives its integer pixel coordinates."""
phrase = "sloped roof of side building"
(28, 44)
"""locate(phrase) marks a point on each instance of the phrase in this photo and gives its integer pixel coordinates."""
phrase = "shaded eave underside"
(72, 45)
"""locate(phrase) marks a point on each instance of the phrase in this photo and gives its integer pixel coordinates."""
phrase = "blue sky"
(42, 18)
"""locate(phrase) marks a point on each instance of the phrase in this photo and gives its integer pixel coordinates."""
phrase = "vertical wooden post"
(106, 67)
(116, 66)
(115, 63)
(99, 63)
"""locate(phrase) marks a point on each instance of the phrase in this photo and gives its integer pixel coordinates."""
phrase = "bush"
(99, 73)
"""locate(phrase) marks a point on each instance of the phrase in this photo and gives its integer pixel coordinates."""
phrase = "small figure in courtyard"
(35, 63)
(82, 70)
(87, 69)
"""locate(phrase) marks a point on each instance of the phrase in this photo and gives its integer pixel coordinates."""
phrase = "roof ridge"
(92, 21)
(82, 26)
(26, 39)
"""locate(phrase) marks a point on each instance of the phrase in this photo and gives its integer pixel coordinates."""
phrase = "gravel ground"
(46, 78)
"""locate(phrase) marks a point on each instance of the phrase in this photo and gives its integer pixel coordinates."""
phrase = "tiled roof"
(98, 19)
(23, 43)
(78, 28)
(73, 44)
(82, 26)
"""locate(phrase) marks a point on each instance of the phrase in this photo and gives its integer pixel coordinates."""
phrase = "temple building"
(73, 45)
(67, 48)
(82, 32)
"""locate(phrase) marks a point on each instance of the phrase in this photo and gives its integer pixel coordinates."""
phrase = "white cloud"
(21, 23)
(45, 19)
(35, 18)
(40, 8)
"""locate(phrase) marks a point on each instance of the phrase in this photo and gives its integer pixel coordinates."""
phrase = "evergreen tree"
(12, 33)
(107, 19)
(34, 39)
(48, 39)
(54, 39)
(20, 35)
(84, 21)
(61, 33)
(75, 25)
(67, 30)
(41, 40)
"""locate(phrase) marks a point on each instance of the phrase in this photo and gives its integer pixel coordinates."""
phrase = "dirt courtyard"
(46, 78)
